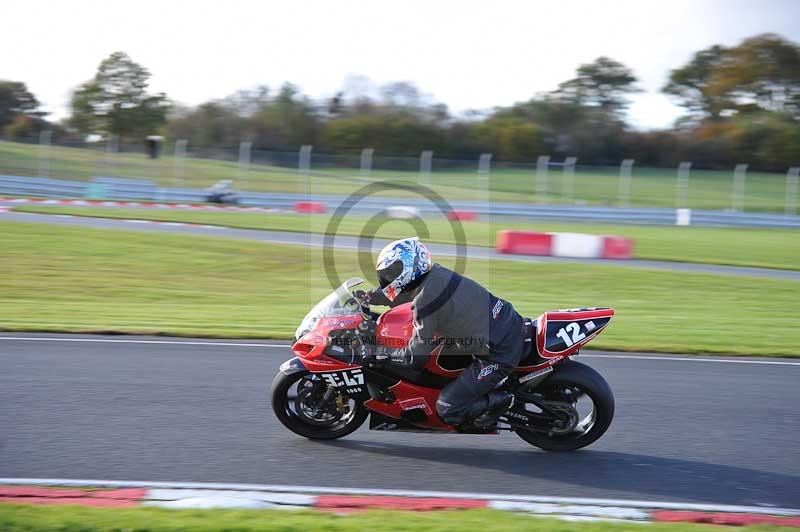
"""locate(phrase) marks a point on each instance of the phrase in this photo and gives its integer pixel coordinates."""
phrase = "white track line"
(623, 503)
(110, 341)
(688, 359)
(243, 344)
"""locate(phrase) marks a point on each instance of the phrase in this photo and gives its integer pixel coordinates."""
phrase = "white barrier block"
(683, 217)
(291, 499)
(572, 509)
(401, 212)
(211, 502)
(577, 245)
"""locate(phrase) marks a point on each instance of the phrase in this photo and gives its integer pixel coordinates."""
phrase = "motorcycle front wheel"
(307, 406)
(585, 397)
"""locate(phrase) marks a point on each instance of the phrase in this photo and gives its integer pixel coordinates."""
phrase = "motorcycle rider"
(447, 305)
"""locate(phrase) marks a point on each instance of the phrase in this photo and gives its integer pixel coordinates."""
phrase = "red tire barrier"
(118, 498)
(420, 504)
(462, 216)
(309, 207)
(617, 247)
(524, 243)
(720, 518)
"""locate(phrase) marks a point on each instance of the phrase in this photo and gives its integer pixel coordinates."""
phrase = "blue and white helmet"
(401, 263)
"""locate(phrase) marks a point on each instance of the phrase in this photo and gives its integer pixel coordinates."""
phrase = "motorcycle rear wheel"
(300, 422)
(578, 379)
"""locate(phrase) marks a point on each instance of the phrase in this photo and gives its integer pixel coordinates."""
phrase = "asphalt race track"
(316, 240)
(139, 408)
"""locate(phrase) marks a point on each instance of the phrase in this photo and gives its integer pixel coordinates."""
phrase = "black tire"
(592, 384)
(290, 420)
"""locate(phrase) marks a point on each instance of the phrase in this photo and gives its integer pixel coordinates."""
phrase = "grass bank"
(765, 248)
(18, 518)
(71, 279)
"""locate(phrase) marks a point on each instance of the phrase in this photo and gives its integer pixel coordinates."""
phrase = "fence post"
(244, 162)
(484, 165)
(112, 147)
(45, 139)
(366, 163)
(682, 187)
(425, 164)
(180, 155)
(542, 164)
(792, 178)
(568, 177)
(112, 144)
(304, 160)
(739, 175)
(625, 172)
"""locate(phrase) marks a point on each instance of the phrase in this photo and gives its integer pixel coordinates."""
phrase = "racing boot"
(499, 403)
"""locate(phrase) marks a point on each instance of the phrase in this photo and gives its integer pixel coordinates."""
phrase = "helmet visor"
(390, 273)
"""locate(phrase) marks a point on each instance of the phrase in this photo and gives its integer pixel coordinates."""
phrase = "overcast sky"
(469, 55)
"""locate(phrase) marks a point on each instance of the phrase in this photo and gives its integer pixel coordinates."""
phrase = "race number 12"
(575, 330)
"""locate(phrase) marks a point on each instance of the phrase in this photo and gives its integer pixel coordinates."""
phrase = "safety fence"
(143, 190)
(550, 180)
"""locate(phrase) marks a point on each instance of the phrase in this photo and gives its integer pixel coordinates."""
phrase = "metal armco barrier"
(127, 189)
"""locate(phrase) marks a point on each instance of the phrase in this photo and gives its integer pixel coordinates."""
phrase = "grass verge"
(764, 248)
(18, 518)
(71, 279)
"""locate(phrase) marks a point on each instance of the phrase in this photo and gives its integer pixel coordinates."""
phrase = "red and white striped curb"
(578, 245)
(345, 500)
(136, 204)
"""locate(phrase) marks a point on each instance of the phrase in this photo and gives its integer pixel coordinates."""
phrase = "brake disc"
(305, 406)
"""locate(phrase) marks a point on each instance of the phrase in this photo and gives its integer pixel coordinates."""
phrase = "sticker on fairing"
(534, 374)
(417, 403)
(348, 378)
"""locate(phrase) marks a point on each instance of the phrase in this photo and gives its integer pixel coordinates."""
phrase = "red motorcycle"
(325, 392)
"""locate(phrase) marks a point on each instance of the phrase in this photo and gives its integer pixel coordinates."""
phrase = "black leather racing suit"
(462, 313)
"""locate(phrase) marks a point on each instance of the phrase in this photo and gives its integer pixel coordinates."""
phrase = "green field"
(18, 518)
(766, 248)
(76, 279)
(597, 186)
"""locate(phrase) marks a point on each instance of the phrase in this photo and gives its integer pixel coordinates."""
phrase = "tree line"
(742, 105)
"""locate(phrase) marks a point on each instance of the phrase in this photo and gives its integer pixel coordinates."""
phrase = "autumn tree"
(604, 83)
(760, 74)
(116, 100)
(763, 72)
(690, 84)
(17, 101)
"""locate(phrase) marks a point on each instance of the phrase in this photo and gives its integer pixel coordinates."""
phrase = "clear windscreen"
(340, 302)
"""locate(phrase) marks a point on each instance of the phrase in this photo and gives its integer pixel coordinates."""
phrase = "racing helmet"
(400, 264)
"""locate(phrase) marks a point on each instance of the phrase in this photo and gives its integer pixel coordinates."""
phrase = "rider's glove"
(362, 297)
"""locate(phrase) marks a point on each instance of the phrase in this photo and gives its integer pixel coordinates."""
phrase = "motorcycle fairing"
(317, 348)
(293, 365)
(395, 326)
(380, 422)
(562, 333)
(416, 404)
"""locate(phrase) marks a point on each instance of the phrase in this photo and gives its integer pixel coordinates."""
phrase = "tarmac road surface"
(710, 430)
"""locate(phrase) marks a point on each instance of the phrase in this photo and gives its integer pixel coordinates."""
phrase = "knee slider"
(448, 412)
